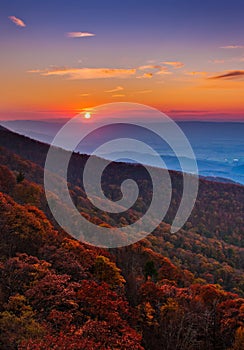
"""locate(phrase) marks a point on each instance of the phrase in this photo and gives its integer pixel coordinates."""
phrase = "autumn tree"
(106, 271)
(239, 339)
(17, 323)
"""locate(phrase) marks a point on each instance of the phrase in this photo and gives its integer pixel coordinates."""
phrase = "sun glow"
(87, 115)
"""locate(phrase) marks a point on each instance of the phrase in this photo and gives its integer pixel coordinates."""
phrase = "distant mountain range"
(218, 147)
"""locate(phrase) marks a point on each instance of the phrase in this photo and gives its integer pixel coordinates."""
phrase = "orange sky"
(173, 93)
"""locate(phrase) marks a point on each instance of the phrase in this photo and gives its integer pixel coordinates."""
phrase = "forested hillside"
(169, 291)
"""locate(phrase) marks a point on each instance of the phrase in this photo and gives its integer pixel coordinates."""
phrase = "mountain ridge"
(161, 289)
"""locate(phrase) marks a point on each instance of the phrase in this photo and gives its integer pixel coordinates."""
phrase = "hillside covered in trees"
(168, 291)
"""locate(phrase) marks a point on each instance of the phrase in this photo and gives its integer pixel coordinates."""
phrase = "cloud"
(34, 71)
(118, 88)
(89, 73)
(145, 76)
(229, 75)
(17, 21)
(79, 34)
(149, 66)
(85, 95)
(157, 69)
(174, 64)
(231, 47)
(118, 95)
(141, 72)
(163, 72)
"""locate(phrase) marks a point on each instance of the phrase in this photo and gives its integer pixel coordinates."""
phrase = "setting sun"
(87, 115)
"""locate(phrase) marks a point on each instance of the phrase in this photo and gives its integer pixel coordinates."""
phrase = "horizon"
(64, 119)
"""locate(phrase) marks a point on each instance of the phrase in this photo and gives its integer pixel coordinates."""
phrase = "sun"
(87, 115)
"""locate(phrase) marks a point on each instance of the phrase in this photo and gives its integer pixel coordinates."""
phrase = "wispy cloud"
(118, 88)
(88, 73)
(149, 66)
(142, 72)
(163, 71)
(231, 47)
(154, 68)
(238, 59)
(118, 95)
(85, 95)
(17, 21)
(79, 34)
(145, 76)
(229, 75)
(34, 71)
(174, 64)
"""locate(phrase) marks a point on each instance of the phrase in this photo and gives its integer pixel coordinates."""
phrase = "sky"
(59, 57)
